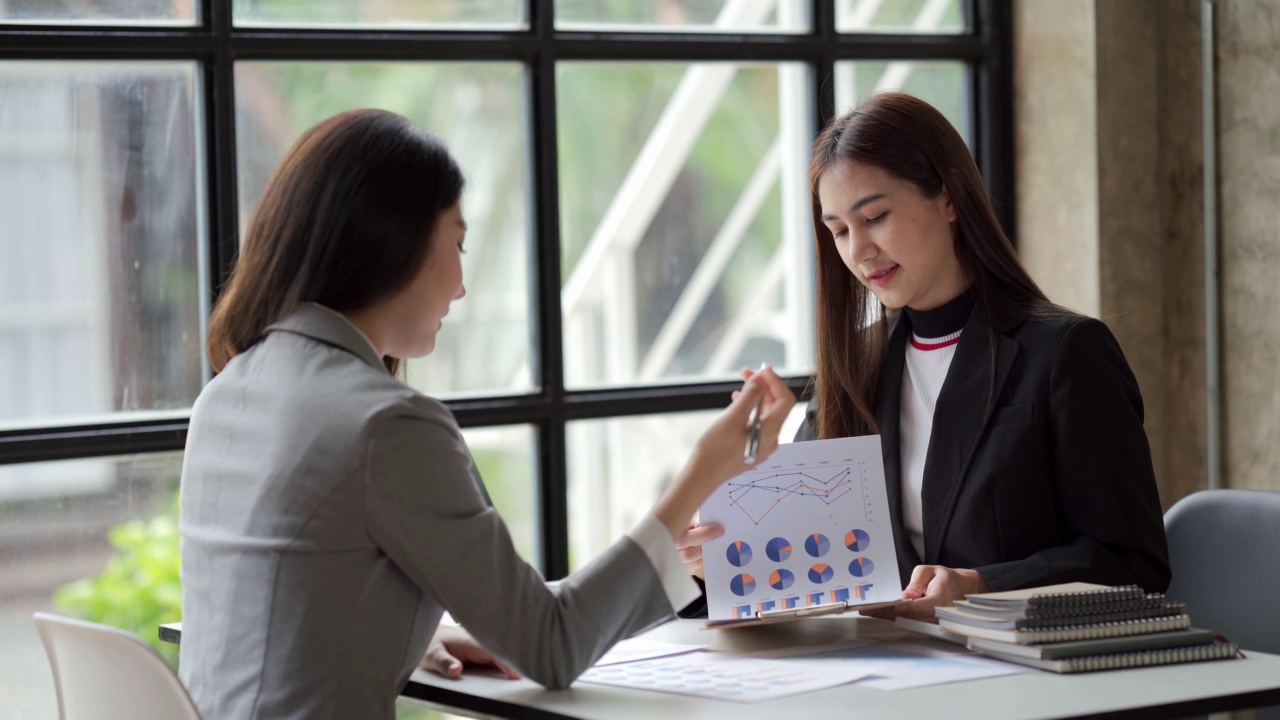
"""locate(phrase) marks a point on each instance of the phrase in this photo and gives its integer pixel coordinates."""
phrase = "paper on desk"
(641, 649)
(903, 666)
(722, 677)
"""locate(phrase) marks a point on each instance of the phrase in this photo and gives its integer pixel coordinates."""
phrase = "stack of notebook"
(1078, 627)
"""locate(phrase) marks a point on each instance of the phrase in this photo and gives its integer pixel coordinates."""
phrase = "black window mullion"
(993, 97)
(548, 345)
(84, 441)
(220, 157)
(824, 67)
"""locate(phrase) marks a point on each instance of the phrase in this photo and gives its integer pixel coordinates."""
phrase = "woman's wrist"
(973, 582)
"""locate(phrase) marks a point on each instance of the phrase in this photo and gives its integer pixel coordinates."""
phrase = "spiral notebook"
(1073, 632)
(961, 614)
(1150, 600)
(1219, 650)
(1097, 646)
(1076, 593)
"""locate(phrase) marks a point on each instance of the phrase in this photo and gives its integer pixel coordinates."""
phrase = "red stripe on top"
(933, 346)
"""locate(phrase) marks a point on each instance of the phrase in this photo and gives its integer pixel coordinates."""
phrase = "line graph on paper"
(804, 491)
(807, 527)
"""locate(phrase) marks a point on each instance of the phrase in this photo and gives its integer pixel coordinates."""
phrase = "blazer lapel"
(959, 422)
(887, 410)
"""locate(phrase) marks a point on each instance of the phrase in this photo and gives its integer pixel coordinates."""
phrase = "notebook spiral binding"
(1216, 651)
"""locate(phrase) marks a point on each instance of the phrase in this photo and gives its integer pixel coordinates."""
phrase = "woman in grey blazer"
(330, 514)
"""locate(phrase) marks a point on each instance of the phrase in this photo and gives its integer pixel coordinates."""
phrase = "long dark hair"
(909, 139)
(345, 221)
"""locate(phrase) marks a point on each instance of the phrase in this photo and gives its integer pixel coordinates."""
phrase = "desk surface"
(1159, 692)
(1167, 691)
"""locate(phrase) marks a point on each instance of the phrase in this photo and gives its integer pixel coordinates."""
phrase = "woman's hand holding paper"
(689, 545)
(933, 586)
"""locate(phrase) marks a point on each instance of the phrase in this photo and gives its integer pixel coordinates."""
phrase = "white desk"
(1167, 691)
(1160, 692)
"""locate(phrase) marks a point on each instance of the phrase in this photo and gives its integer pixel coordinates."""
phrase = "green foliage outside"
(140, 588)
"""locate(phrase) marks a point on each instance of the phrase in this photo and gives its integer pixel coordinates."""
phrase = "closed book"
(1150, 600)
(1098, 646)
(957, 614)
(1071, 632)
(1077, 593)
(1166, 656)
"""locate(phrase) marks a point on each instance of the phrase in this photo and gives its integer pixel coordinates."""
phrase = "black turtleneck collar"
(944, 319)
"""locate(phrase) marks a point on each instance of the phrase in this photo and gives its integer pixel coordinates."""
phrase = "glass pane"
(101, 240)
(900, 16)
(478, 109)
(95, 539)
(684, 15)
(404, 14)
(618, 468)
(685, 220)
(133, 12)
(505, 458)
(943, 84)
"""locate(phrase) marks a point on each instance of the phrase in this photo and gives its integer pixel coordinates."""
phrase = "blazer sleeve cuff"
(656, 544)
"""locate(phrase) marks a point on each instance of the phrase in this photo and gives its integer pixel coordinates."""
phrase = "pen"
(753, 436)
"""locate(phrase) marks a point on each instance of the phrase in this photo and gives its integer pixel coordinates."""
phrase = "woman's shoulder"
(1054, 327)
(1071, 345)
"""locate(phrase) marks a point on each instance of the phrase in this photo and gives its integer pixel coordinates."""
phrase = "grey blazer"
(330, 514)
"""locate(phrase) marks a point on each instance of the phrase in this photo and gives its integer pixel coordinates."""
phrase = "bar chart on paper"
(819, 513)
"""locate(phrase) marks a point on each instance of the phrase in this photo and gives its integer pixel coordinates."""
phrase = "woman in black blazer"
(1012, 433)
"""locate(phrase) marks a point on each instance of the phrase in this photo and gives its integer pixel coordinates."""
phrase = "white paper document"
(809, 526)
(902, 666)
(635, 649)
(721, 677)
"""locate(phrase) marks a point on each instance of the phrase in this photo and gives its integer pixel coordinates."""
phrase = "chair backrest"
(1222, 549)
(102, 672)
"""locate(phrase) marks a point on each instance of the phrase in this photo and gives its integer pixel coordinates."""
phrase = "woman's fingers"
(441, 662)
(506, 669)
(778, 397)
(694, 537)
(778, 401)
(453, 647)
(689, 545)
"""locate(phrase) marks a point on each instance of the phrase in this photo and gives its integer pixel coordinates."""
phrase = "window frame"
(215, 45)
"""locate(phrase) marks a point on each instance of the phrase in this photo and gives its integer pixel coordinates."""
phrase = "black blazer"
(1050, 483)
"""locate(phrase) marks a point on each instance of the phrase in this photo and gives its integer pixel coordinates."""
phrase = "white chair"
(104, 673)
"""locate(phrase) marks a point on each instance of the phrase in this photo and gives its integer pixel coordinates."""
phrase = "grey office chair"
(1222, 546)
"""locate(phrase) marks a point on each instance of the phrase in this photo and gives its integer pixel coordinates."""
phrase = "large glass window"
(900, 16)
(131, 12)
(943, 84)
(640, 229)
(101, 239)
(397, 14)
(94, 538)
(478, 109)
(684, 15)
(684, 227)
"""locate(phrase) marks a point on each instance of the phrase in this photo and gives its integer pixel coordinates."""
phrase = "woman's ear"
(948, 207)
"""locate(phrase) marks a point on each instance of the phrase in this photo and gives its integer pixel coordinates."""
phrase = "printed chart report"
(809, 526)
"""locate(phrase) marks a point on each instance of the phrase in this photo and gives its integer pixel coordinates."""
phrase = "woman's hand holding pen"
(719, 453)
